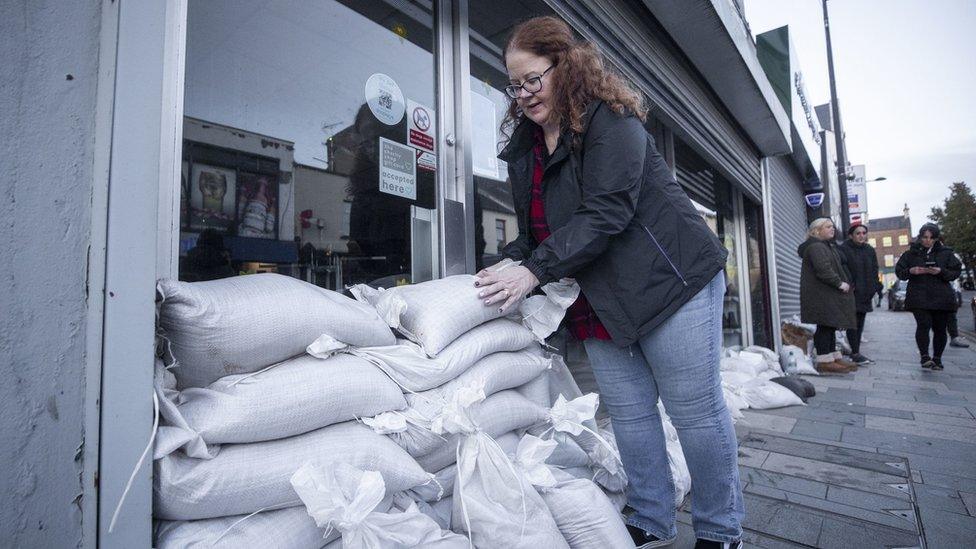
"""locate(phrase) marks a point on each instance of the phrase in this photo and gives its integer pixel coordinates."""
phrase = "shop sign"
(420, 126)
(857, 190)
(385, 99)
(398, 169)
(814, 200)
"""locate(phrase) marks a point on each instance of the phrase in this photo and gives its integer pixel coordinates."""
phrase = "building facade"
(337, 142)
(890, 237)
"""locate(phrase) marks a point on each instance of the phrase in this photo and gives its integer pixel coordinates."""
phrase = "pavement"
(884, 457)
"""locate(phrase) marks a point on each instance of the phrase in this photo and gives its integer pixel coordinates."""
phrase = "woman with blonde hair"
(596, 202)
(825, 295)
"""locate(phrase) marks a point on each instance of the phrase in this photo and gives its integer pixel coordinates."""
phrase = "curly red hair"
(579, 75)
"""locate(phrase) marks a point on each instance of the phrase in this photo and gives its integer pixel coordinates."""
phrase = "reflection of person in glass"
(213, 187)
(596, 202)
(208, 260)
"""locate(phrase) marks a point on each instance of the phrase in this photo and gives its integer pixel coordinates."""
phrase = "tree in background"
(957, 219)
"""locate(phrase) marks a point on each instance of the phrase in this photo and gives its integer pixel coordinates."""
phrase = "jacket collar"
(523, 136)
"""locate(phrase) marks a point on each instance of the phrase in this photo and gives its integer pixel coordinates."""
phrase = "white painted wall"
(48, 88)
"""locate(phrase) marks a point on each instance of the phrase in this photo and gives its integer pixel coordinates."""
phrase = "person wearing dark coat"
(929, 266)
(209, 259)
(862, 264)
(826, 298)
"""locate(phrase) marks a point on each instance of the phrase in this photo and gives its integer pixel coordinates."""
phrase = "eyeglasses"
(531, 85)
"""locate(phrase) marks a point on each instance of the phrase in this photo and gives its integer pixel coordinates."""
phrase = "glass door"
(310, 141)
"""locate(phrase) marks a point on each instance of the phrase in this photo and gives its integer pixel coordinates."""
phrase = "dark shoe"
(832, 368)
(927, 361)
(937, 364)
(861, 359)
(643, 540)
(709, 544)
(958, 342)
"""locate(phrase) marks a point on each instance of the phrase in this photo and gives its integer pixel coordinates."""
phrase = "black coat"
(926, 291)
(862, 264)
(821, 300)
(621, 225)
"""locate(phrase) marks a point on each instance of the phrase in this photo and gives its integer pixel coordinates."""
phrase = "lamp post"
(845, 217)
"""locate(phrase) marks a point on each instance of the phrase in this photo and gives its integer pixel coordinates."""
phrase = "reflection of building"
(890, 237)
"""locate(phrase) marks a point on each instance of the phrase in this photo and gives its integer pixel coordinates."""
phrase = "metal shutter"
(789, 230)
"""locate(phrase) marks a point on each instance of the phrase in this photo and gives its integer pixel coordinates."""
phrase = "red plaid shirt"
(581, 318)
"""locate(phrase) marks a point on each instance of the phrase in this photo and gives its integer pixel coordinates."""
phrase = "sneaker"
(958, 342)
(710, 544)
(937, 364)
(861, 359)
(644, 540)
(927, 362)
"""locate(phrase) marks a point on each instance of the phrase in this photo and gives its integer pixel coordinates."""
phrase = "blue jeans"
(678, 362)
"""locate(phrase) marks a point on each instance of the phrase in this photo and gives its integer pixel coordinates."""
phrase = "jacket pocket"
(665, 254)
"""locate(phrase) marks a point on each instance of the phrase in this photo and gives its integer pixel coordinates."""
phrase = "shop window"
(309, 147)
(873, 242)
(886, 242)
(500, 239)
(758, 279)
(889, 260)
(903, 240)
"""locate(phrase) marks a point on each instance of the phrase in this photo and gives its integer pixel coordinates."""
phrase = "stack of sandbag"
(747, 380)
(242, 407)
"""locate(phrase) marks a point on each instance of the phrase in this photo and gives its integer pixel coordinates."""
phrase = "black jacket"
(621, 225)
(862, 264)
(821, 300)
(926, 291)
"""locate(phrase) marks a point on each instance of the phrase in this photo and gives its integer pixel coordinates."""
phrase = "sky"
(906, 79)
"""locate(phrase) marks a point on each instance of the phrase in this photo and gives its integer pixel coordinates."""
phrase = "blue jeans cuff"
(722, 538)
(637, 523)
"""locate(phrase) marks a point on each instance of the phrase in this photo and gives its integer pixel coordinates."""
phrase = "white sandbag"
(735, 378)
(608, 469)
(493, 503)
(537, 390)
(241, 324)
(434, 313)
(496, 372)
(244, 478)
(413, 370)
(734, 401)
(442, 486)
(498, 414)
(804, 364)
(764, 394)
(296, 396)
(290, 528)
(583, 514)
(544, 313)
(769, 356)
(343, 498)
(743, 365)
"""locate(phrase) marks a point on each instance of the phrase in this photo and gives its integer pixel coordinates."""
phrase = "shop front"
(345, 142)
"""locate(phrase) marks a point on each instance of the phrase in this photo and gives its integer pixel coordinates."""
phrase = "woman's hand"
(918, 270)
(845, 287)
(934, 270)
(507, 286)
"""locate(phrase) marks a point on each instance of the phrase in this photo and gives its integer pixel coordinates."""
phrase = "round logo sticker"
(385, 99)
(421, 119)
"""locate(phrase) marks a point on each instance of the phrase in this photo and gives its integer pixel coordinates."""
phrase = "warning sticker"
(420, 126)
(426, 160)
(398, 169)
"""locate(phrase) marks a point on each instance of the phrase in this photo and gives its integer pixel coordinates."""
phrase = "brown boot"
(850, 365)
(832, 367)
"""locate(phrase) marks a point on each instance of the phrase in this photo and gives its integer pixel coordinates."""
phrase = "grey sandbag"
(801, 387)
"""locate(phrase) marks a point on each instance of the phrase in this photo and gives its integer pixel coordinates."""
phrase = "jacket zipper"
(665, 254)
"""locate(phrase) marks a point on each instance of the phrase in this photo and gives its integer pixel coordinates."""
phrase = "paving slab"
(858, 409)
(916, 406)
(969, 500)
(949, 481)
(934, 430)
(818, 429)
(936, 497)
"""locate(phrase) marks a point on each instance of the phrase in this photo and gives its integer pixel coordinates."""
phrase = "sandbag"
(244, 478)
(411, 428)
(498, 414)
(296, 396)
(414, 371)
(764, 394)
(241, 324)
(434, 313)
(800, 387)
(803, 362)
(352, 501)
(769, 355)
(676, 457)
(585, 517)
(290, 528)
(537, 390)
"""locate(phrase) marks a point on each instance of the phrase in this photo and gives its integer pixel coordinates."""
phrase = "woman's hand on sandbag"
(507, 286)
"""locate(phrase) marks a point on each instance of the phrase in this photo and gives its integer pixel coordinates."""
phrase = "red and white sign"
(426, 160)
(420, 126)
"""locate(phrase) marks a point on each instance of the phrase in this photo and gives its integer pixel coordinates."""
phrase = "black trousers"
(953, 325)
(825, 340)
(935, 321)
(854, 334)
